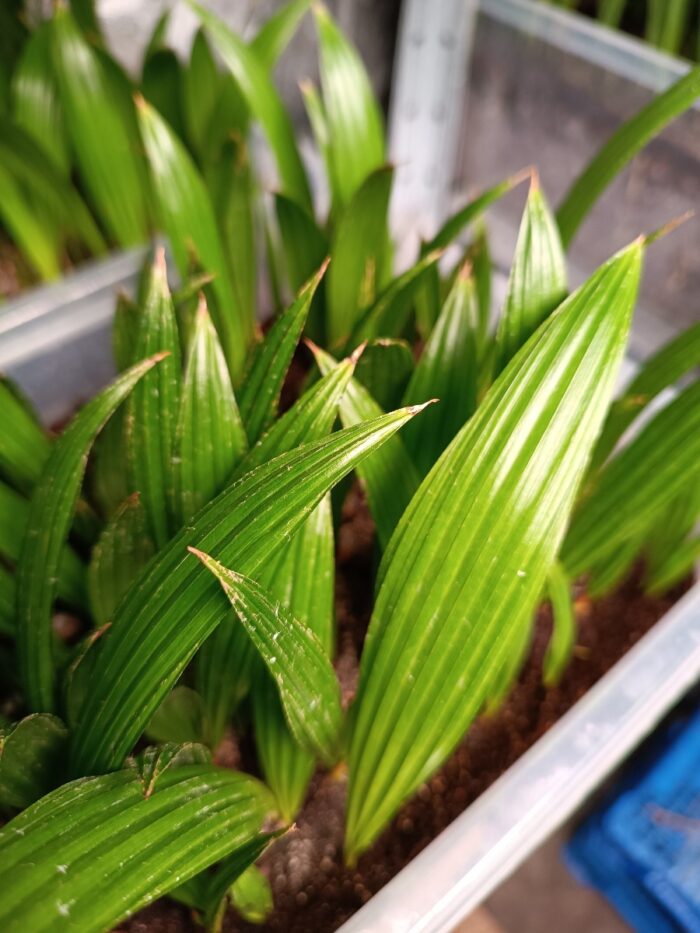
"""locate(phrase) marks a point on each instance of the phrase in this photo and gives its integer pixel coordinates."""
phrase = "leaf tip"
(357, 352)
(665, 229)
(417, 409)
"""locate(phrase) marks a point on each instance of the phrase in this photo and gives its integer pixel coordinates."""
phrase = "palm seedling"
(186, 525)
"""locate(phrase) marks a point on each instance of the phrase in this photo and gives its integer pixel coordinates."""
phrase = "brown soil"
(312, 888)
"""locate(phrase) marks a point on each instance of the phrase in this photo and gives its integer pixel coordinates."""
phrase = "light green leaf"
(105, 834)
(305, 247)
(210, 437)
(479, 256)
(125, 331)
(187, 216)
(620, 148)
(303, 580)
(232, 188)
(264, 102)
(32, 753)
(678, 565)
(169, 613)
(276, 32)
(446, 371)
(673, 361)
(637, 484)
(14, 517)
(388, 476)
(36, 242)
(264, 378)
(35, 102)
(470, 556)
(153, 406)
(251, 895)
(48, 524)
(353, 118)
(472, 211)
(293, 656)
(537, 282)
(200, 90)
(122, 551)
(561, 643)
(56, 201)
(24, 446)
(357, 253)
(100, 135)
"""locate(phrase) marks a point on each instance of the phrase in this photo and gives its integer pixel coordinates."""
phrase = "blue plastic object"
(641, 848)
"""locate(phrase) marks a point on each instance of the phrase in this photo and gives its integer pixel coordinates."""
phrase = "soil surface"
(313, 890)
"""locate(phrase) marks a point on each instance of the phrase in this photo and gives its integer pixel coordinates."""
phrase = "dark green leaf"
(161, 83)
(305, 247)
(263, 100)
(187, 216)
(101, 137)
(153, 406)
(14, 516)
(390, 312)
(210, 437)
(200, 92)
(179, 718)
(48, 524)
(357, 252)
(122, 551)
(446, 371)
(32, 755)
(388, 475)
(261, 388)
(384, 369)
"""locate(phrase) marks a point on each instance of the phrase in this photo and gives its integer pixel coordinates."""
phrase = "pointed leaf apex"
(417, 409)
(157, 357)
(534, 180)
(159, 263)
(357, 352)
(465, 271)
(524, 174)
(140, 101)
(202, 309)
(200, 555)
(667, 228)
